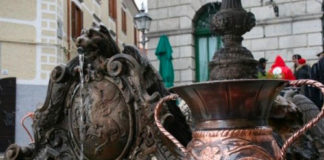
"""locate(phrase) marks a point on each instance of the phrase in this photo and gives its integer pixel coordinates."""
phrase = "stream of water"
(81, 109)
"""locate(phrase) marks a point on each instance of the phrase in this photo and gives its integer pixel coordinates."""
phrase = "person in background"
(317, 73)
(303, 72)
(280, 70)
(262, 66)
(295, 59)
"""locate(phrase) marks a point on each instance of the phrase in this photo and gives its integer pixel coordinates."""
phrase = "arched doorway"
(206, 44)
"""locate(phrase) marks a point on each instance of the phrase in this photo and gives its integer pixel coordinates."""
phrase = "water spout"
(81, 122)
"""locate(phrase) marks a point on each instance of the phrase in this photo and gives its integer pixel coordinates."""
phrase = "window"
(206, 44)
(124, 24)
(112, 9)
(77, 21)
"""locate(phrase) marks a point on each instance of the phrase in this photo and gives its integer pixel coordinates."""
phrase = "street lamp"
(142, 23)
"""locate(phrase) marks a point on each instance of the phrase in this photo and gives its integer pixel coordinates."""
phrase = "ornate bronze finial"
(233, 61)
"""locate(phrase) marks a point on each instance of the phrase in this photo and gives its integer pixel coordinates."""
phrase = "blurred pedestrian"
(303, 72)
(295, 59)
(317, 73)
(262, 66)
(280, 70)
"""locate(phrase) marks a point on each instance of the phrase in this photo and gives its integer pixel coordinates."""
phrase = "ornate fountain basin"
(230, 119)
(107, 128)
(230, 104)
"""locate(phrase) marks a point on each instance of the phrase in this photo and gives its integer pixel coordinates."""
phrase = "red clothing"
(279, 68)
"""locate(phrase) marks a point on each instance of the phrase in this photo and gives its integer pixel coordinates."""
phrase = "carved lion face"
(97, 41)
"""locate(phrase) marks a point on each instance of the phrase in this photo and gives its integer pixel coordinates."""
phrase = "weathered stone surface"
(278, 29)
(159, 13)
(249, 3)
(247, 43)
(182, 10)
(258, 55)
(264, 44)
(272, 54)
(154, 26)
(293, 41)
(256, 32)
(292, 9)
(264, 12)
(169, 24)
(308, 53)
(314, 39)
(312, 26)
(153, 43)
(187, 51)
(183, 63)
(176, 52)
(177, 76)
(181, 40)
(185, 22)
(313, 6)
(187, 75)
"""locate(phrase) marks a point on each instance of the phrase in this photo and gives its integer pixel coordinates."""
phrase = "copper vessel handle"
(160, 126)
(311, 123)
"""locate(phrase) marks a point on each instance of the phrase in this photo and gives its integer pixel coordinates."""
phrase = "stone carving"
(233, 61)
(230, 115)
(118, 96)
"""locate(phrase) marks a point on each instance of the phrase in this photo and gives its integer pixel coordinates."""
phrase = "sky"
(139, 4)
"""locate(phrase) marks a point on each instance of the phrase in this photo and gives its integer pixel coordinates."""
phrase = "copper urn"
(230, 119)
(230, 111)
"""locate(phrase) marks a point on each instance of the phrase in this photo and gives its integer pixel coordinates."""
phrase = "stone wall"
(174, 18)
(297, 30)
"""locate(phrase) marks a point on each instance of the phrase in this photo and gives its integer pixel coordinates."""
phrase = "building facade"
(37, 35)
(283, 27)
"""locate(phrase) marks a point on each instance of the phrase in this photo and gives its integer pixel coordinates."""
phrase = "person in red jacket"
(280, 70)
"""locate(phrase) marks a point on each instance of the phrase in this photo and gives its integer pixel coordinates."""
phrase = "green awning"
(164, 54)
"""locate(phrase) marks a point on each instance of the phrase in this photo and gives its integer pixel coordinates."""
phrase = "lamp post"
(142, 23)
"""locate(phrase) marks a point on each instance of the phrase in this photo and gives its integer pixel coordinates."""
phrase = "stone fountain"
(100, 106)
(230, 112)
(107, 104)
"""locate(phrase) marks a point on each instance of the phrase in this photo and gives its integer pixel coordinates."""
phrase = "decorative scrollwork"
(114, 68)
(115, 64)
(118, 99)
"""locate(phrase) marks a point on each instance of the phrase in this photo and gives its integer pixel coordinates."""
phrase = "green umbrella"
(164, 53)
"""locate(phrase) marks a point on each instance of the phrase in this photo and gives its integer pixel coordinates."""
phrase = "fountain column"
(230, 112)
(233, 61)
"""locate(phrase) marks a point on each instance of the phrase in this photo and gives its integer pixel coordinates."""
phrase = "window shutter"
(124, 24)
(77, 21)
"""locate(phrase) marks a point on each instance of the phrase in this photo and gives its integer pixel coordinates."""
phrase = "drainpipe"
(68, 28)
